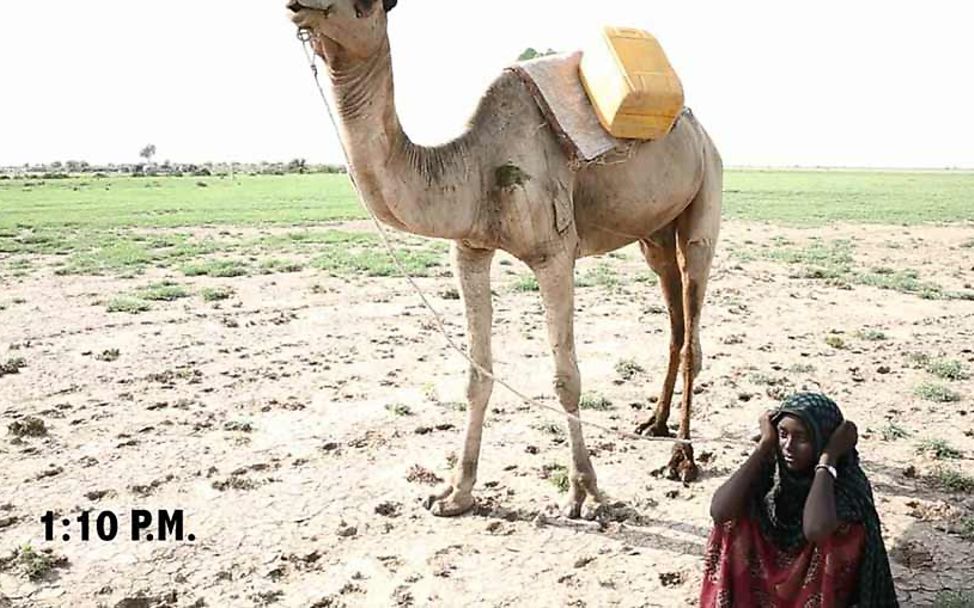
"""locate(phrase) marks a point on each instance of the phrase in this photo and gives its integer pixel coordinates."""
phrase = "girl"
(796, 525)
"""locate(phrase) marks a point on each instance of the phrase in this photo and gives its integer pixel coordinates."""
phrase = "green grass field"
(111, 225)
(819, 197)
(792, 197)
(176, 201)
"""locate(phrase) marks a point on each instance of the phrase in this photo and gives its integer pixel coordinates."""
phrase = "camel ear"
(388, 4)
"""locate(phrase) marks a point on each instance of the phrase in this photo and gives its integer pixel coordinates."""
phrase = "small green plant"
(871, 335)
(628, 369)
(835, 341)
(601, 276)
(399, 409)
(12, 366)
(456, 406)
(948, 369)
(762, 378)
(242, 426)
(892, 432)
(526, 283)
(828, 273)
(216, 268)
(551, 428)
(166, 291)
(906, 281)
(215, 294)
(429, 391)
(917, 360)
(108, 356)
(938, 448)
(30, 426)
(744, 255)
(966, 527)
(591, 401)
(38, 564)
(377, 262)
(802, 368)
(936, 392)
(953, 480)
(132, 306)
(827, 255)
(954, 599)
(274, 265)
(558, 476)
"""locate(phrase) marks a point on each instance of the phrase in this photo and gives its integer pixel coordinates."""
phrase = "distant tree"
(148, 152)
(530, 53)
(297, 165)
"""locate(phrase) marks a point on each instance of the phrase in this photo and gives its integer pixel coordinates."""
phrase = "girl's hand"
(842, 441)
(769, 432)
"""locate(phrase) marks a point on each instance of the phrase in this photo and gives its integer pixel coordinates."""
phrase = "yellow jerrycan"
(634, 89)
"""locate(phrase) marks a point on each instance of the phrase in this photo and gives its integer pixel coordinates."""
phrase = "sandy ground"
(270, 419)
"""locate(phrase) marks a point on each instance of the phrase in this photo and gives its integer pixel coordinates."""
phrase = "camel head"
(343, 29)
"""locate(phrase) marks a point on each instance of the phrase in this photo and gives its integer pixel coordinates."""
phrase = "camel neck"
(414, 188)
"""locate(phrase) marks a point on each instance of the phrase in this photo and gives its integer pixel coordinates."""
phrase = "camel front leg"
(473, 269)
(557, 283)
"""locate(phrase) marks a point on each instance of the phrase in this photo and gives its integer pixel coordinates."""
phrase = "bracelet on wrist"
(829, 468)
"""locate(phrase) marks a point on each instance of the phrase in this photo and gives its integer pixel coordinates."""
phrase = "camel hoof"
(587, 510)
(584, 502)
(572, 509)
(681, 466)
(449, 503)
(651, 429)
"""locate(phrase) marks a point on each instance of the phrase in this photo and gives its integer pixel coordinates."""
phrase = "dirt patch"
(313, 426)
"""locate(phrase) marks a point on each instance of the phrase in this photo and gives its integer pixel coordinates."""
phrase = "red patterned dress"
(744, 569)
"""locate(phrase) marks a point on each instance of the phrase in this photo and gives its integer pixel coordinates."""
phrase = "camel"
(504, 184)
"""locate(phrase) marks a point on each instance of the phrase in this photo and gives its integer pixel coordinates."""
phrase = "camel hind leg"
(660, 253)
(697, 231)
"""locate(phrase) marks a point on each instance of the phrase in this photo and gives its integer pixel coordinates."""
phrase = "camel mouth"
(294, 6)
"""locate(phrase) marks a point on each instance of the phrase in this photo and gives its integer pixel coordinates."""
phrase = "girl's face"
(795, 444)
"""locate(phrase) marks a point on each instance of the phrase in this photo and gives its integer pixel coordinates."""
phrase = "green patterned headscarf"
(780, 500)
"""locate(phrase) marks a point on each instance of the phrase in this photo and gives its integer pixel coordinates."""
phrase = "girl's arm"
(731, 498)
(819, 519)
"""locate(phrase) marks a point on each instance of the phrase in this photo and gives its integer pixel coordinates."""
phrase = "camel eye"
(363, 8)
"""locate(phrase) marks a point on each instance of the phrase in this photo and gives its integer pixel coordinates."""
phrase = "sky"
(827, 83)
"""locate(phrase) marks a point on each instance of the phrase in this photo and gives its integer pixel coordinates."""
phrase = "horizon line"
(754, 167)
